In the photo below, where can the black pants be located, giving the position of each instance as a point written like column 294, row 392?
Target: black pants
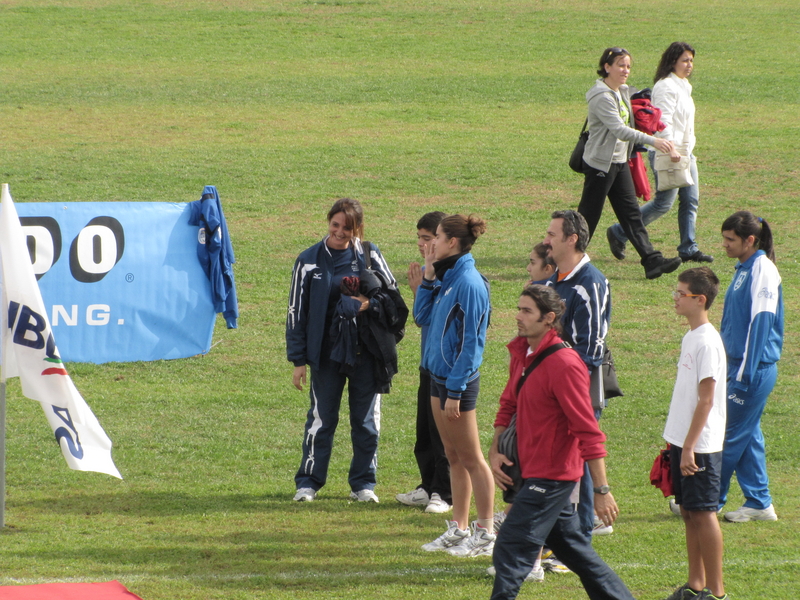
column 617, row 185
column 428, row 449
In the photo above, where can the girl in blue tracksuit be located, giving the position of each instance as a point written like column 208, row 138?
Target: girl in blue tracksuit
column 313, row 298
column 456, row 313
column 752, row 331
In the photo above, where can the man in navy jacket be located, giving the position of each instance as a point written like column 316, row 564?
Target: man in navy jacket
column 587, row 298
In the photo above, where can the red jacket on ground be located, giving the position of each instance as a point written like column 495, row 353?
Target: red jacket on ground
column 556, row 427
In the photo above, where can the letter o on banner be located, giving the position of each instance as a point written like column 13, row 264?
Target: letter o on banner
column 96, row 249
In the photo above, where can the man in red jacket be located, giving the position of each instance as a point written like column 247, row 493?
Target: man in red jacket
column 556, row 432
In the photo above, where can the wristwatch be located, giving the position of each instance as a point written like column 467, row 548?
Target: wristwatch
column 603, row 489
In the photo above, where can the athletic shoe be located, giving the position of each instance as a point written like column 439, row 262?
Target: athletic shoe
column 364, row 496
column 675, row 507
column 745, row 514
column 305, row 495
column 698, row 257
column 707, row 595
column 601, row 528
column 498, row 519
column 553, row 565
column 536, row 574
column 665, row 265
column 437, row 505
column 480, row 543
column 685, row 593
column 617, row 247
column 452, row 537
column 417, row 497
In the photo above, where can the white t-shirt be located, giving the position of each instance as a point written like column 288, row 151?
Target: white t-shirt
column 702, row 356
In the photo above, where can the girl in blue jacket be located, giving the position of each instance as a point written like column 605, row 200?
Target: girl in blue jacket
column 453, row 302
column 752, row 331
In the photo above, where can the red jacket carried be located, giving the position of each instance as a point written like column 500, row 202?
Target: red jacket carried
column 556, row 427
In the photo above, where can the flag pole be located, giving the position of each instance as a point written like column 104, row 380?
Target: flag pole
column 2, row 454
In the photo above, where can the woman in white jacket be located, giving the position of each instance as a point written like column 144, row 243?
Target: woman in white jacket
column 672, row 93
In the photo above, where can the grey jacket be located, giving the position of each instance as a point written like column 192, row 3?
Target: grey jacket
column 606, row 126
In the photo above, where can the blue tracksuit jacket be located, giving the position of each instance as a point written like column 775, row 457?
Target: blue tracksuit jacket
column 752, row 318
column 587, row 297
column 457, row 315
column 308, row 299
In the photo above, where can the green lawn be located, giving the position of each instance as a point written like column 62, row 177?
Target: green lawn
column 456, row 105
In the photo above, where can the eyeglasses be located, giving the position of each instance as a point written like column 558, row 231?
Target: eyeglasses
column 677, row 295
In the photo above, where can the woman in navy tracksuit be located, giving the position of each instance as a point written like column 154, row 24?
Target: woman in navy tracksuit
column 313, row 298
column 457, row 314
column 752, row 331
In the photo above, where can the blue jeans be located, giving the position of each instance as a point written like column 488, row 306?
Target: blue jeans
column 327, row 387
column 542, row 514
column 744, row 451
column 659, row 206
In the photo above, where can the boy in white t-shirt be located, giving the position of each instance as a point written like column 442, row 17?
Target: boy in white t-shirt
column 696, row 429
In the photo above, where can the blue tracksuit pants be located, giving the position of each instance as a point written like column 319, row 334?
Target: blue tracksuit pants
column 744, row 451
column 327, row 387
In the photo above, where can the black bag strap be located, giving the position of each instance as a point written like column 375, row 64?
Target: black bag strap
column 536, row 361
column 585, row 123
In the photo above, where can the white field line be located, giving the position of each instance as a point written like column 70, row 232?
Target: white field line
column 301, row 575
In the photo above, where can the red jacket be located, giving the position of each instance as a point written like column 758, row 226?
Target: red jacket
column 556, row 427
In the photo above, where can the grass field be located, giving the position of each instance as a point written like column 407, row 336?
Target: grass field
column 456, row 105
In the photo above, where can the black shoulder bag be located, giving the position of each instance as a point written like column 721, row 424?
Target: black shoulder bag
column 507, row 442
column 576, row 158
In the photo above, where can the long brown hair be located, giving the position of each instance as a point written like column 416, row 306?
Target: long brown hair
column 670, row 58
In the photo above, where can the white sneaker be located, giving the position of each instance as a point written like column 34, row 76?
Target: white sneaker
column 498, row 518
column 480, row 543
column 601, row 528
column 452, row 537
column 417, row 497
column 744, row 514
column 305, row 495
column 674, row 507
column 364, row 496
column 536, row 574
column 553, row 565
column 437, row 505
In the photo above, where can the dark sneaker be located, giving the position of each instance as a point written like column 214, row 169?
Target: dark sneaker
column 698, row 257
column 665, row 265
column 685, row 593
column 617, row 247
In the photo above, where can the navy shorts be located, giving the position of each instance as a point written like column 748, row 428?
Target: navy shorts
column 469, row 397
column 701, row 490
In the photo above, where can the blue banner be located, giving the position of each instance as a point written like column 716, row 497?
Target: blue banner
column 121, row 281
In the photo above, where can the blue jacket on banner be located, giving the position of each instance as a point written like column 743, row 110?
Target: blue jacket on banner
column 215, row 252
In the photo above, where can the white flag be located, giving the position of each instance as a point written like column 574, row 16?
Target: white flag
column 28, row 351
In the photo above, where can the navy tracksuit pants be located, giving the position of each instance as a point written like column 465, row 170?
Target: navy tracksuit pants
column 327, row 388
